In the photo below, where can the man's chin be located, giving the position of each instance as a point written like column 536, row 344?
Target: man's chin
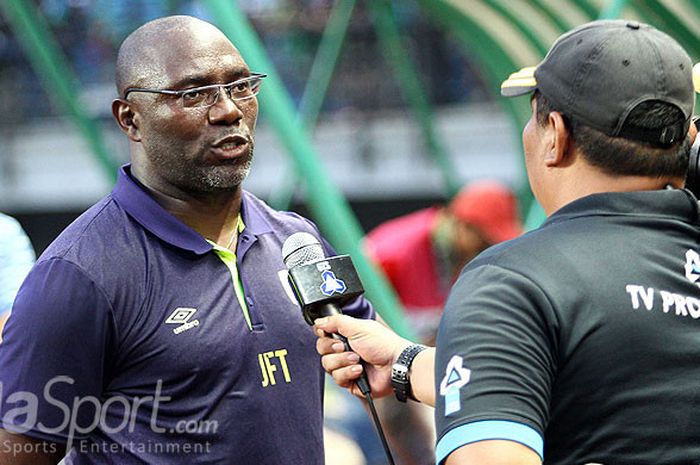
column 222, row 179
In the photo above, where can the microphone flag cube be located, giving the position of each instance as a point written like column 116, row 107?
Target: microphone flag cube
column 324, row 281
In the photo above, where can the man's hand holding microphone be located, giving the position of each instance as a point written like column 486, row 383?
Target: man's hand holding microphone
column 380, row 348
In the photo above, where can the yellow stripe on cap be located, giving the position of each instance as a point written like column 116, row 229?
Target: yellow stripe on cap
column 696, row 77
column 519, row 83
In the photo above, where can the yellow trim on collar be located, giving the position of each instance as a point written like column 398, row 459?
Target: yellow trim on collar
column 229, row 258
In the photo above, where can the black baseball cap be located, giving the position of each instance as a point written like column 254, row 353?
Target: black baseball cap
column 600, row 71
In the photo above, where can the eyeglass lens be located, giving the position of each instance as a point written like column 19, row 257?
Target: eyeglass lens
column 208, row 95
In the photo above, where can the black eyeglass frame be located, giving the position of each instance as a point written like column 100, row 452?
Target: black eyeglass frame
column 227, row 87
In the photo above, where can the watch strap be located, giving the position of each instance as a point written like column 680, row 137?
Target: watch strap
column 400, row 380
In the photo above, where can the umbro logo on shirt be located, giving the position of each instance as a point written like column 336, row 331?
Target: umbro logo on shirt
column 181, row 317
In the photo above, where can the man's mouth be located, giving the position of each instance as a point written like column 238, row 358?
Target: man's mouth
column 230, row 147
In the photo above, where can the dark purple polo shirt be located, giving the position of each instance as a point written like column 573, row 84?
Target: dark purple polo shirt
column 128, row 339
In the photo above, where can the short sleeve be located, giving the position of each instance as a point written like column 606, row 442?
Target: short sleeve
column 16, row 259
column 495, row 361
column 54, row 356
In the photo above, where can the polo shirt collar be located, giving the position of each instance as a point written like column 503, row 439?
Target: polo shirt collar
column 665, row 203
column 139, row 204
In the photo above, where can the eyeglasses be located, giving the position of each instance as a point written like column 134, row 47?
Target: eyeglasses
column 206, row 96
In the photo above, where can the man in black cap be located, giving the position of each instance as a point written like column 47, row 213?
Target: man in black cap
column 578, row 342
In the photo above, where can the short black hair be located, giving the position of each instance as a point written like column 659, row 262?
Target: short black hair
column 622, row 156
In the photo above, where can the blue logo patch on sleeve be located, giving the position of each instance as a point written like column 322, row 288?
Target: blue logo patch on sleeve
column 456, row 376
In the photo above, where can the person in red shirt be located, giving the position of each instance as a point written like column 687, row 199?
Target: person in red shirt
column 422, row 253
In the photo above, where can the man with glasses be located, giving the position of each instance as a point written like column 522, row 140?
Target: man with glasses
column 159, row 327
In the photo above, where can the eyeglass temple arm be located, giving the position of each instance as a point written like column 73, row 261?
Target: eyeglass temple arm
column 151, row 91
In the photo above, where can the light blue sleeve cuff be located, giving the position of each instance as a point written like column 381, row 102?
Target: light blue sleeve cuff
column 488, row 430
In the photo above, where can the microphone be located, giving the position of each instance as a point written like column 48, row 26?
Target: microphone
column 321, row 284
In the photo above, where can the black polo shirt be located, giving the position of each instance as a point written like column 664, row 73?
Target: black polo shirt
column 581, row 339
column 129, row 340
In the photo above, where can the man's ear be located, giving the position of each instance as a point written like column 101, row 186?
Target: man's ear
column 126, row 118
column 693, row 130
column 558, row 140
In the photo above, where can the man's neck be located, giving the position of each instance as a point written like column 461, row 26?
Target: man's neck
column 590, row 180
column 214, row 215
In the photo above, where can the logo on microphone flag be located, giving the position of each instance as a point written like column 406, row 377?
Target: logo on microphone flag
column 331, row 284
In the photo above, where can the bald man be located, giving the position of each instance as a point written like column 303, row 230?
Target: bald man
column 159, row 327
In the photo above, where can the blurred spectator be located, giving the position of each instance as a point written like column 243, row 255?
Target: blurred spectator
column 423, row 252
column 16, row 259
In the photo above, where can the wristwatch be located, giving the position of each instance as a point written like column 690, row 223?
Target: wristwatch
column 399, row 371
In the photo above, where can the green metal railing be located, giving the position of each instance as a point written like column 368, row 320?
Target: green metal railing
column 51, row 65
column 612, row 9
column 404, row 71
column 413, row 90
column 316, row 88
column 493, row 60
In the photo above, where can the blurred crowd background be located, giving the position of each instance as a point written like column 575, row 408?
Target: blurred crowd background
column 90, row 31
column 369, row 138
column 366, row 135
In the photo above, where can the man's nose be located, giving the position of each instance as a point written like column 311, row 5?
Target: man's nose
column 225, row 110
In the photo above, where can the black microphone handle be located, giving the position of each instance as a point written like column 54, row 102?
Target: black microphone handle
column 330, row 309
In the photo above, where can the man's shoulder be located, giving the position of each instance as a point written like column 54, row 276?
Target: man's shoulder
column 9, row 225
column 95, row 234
column 537, row 253
column 279, row 221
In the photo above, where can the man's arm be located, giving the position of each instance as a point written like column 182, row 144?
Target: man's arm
column 57, row 343
column 22, row 450
column 379, row 347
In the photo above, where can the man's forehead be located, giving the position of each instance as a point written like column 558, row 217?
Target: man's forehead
column 197, row 58
column 174, row 49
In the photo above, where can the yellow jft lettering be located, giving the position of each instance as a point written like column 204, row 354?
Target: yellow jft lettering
column 265, row 380
column 268, row 366
column 282, row 356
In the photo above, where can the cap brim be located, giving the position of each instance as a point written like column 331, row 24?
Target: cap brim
column 519, row 83
column 696, row 77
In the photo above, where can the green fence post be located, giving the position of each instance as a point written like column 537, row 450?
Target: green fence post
column 51, row 65
column 317, row 86
column 612, row 9
column 329, row 208
column 405, row 72
column 496, row 63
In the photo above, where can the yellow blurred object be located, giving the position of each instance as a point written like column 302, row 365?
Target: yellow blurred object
column 341, row 450
column 696, row 77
